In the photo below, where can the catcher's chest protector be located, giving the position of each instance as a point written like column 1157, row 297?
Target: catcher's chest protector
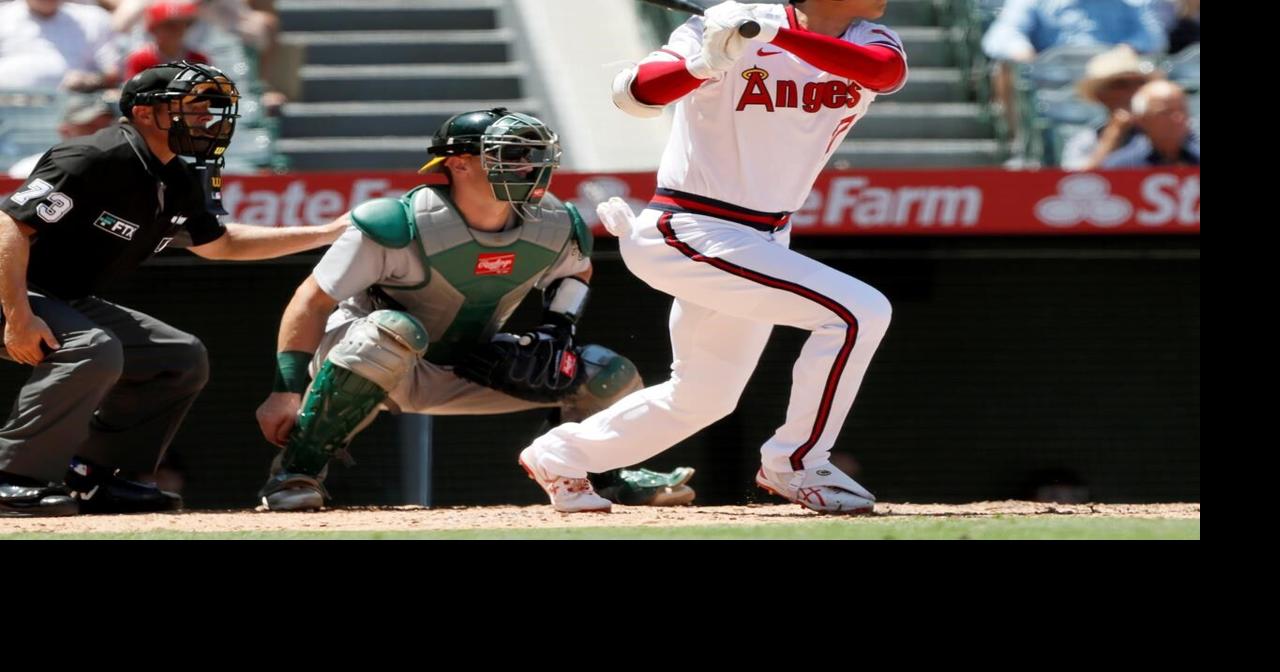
column 476, row 278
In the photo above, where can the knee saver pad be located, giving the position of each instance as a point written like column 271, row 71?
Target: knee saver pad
column 382, row 347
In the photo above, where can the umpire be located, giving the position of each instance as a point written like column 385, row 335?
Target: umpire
column 109, row 385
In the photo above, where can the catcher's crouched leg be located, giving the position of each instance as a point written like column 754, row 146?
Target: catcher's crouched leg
column 610, row 377
column 376, row 353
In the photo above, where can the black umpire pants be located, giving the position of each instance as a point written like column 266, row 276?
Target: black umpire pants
column 115, row 393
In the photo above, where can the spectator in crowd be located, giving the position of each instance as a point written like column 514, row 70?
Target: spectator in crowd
column 1166, row 11
column 1185, row 30
column 1111, row 78
column 257, row 27
column 84, row 115
column 167, row 22
column 1026, row 28
column 1165, row 138
column 254, row 22
column 49, row 44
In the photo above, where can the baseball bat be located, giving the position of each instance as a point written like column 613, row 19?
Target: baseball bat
column 747, row 29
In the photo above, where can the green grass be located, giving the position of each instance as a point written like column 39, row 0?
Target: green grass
column 905, row 527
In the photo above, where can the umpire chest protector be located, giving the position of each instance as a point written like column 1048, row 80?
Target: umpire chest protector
column 102, row 205
column 474, row 280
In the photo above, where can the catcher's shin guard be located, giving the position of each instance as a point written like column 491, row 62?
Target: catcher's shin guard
column 609, row 377
column 374, row 356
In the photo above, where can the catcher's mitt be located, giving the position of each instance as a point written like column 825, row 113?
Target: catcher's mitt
column 541, row 365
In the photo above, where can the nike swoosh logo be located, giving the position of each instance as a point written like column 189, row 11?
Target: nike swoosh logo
column 762, row 52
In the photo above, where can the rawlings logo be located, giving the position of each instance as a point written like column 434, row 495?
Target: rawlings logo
column 498, row 263
column 568, row 364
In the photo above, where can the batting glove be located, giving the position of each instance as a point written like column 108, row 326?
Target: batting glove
column 616, row 216
column 769, row 26
column 721, row 43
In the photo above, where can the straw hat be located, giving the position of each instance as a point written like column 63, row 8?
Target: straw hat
column 1122, row 61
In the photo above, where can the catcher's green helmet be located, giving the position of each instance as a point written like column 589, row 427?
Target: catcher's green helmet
column 518, row 152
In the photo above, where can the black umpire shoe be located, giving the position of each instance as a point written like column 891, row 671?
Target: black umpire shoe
column 103, row 490
column 22, row 497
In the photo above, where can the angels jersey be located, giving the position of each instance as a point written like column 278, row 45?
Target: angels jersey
column 758, row 136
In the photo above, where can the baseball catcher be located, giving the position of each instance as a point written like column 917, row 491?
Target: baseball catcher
column 406, row 313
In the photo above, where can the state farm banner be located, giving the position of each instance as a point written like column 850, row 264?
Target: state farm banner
column 960, row 202
column 844, row 202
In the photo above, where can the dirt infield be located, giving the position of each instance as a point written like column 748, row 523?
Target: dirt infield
column 515, row 517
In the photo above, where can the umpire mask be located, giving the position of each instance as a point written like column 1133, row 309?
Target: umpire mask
column 200, row 105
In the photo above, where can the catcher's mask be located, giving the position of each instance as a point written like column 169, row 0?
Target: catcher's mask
column 517, row 152
column 201, row 105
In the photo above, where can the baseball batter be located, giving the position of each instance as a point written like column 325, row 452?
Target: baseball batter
column 755, row 122
column 405, row 313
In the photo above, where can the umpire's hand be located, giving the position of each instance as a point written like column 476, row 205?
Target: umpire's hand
column 24, row 338
column 277, row 416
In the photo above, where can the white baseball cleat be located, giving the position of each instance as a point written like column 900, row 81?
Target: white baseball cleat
column 823, row 488
column 568, row 495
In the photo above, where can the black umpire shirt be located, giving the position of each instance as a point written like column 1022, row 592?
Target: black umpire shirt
column 103, row 204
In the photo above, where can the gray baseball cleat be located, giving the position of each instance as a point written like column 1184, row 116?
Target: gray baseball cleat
column 293, row 492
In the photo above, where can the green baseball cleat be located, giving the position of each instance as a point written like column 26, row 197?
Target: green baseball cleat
column 645, row 487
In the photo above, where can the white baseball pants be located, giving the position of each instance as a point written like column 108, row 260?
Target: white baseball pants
column 731, row 284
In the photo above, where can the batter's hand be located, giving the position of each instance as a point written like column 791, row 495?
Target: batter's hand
column 727, row 15
column 25, row 338
column 277, row 416
column 721, row 43
column 617, row 217
column 769, row 26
